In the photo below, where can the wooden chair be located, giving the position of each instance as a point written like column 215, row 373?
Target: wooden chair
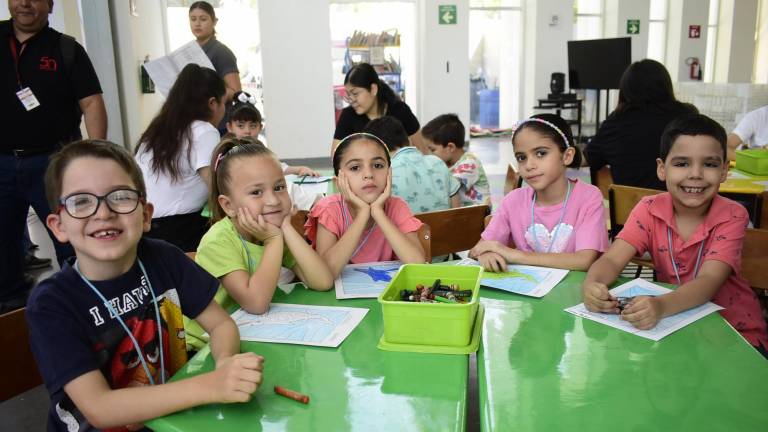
column 17, row 363
column 513, row 180
column 622, row 199
column 298, row 220
column 454, row 230
column 191, row 255
column 602, row 178
column 754, row 256
column 425, row 239
column 763, row 211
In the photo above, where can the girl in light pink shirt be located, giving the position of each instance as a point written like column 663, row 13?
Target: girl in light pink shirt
column 554, row 221
column 365, row 223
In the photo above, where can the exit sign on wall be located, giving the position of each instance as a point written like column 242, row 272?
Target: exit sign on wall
column 446, row 14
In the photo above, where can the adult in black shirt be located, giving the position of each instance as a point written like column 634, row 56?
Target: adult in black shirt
column 202, row 23
column 57, row 84
column 629, row 138
column 370, row 98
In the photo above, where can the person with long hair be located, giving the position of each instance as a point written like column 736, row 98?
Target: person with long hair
column 370, row 98
column 202, row 23
column 174, row 154
column 628, row 140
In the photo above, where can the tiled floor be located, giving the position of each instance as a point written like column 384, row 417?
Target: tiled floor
column 26, row 412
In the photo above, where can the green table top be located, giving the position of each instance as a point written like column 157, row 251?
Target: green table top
column 353, row 387
column 543, row 369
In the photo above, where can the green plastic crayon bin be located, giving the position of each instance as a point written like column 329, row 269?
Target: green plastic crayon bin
column 445, row 324
column 752, row 161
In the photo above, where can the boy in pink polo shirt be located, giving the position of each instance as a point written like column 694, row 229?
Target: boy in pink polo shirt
column 693, row 235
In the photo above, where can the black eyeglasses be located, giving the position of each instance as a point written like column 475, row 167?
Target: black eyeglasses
column 84, row 205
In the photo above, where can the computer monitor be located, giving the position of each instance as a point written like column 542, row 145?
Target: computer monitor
column 598, row 63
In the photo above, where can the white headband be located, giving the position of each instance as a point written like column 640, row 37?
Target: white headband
column 538, row 120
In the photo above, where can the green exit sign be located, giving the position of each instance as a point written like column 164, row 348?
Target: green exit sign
column 446, row 14
column 633, row 26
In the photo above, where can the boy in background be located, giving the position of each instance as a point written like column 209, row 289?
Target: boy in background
column 106, row 330
column 422, row 181
column 693, row 234
column 444, row 136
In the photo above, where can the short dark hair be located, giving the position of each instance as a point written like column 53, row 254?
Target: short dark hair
column 390, row 130
column 551, row 133
column 100, row 149
column 444, row 129
column 692, row 125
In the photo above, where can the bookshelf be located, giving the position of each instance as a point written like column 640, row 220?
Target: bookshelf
column 381, row 50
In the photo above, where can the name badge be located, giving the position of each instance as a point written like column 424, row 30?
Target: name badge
column 28, row 98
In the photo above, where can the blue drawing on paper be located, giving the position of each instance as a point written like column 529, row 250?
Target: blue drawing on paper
column 292, row 324
column 521, row 280
column 377, row 274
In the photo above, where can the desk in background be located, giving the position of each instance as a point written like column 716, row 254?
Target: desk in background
column 543, row 369
column 353, row 387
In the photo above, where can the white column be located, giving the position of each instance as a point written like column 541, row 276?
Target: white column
column 442, row 62
column 680, row 47
column 736, row 41
column 548, row 28
column 298, row 81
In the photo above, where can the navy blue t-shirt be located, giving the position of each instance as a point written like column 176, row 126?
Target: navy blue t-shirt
column 72, row 333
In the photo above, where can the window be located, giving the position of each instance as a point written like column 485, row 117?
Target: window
column 657, row 31
column 495, row 62
column 711, row 55
column 588, row 22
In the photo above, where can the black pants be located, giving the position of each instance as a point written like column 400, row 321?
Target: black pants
column 184, row 230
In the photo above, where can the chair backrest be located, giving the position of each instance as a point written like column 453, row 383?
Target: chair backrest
column 763, row 211
column 456, row 229
column 17, row 363
column 602, row 178
column 513, row 180
column 621, row 200
column 191, row 255
column 425, row 239
column 754, row 259
column 298, row 220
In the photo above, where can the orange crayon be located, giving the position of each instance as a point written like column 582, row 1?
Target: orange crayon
column 292, row 394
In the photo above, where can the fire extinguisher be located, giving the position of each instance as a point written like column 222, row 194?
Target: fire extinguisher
column 694, row 68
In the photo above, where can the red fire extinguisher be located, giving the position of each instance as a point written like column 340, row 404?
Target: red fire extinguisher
column 694, row 68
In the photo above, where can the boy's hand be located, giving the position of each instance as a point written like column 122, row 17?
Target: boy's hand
column 493, row 262
column 349, row 196
column 236, row 378
column 598, row 299
column 382, row 199
column 484, row 246
column 259, row 228
column 643, row 312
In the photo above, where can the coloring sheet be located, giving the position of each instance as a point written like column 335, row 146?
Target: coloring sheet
column 326, row 326
column 521, row 279
column 365, row 280
column 640, row 287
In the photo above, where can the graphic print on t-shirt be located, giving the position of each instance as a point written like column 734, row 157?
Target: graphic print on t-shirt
column 539, row 237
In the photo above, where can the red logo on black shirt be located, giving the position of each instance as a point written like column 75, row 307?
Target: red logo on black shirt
column 48, row 64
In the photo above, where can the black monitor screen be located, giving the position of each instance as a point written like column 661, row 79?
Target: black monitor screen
column 598, row 63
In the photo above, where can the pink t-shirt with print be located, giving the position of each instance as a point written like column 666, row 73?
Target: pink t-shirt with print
column 329, row 212
column 583, row 225
column 722, row 233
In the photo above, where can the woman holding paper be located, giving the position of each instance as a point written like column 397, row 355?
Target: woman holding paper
column 202, row 23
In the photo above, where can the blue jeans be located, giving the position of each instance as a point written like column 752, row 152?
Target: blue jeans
column 21, row 186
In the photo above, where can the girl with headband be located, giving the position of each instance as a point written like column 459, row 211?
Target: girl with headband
column 252, row 246
column 553, row 221
column 364, row 223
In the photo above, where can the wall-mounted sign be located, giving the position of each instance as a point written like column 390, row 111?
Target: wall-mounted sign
column 446, row 14
column 633, row 26
column 694, row 31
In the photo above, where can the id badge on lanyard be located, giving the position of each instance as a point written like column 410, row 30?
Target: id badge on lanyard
column 25, row 95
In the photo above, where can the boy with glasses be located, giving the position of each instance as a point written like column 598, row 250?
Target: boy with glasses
column 107, row 330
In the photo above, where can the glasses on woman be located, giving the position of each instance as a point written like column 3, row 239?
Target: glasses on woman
column 350, row 97
column 84, row 205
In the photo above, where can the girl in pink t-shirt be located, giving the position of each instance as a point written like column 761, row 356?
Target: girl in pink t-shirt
column 364, row 223
column 554, row 221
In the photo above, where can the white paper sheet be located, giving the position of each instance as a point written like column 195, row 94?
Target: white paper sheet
column 297, row 324
column 521, row 279
column 365, row 280
column 640, row 287
column 164, row 70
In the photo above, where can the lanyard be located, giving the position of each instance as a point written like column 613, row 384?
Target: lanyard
column 347, row 223
column 114, row 313
column 671, row 257
column 16, row 54
column 248, row 255
column 559, row 222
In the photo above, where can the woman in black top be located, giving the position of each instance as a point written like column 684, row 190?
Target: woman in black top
column 629, row 138
column 370, row 98
column 202, row 23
